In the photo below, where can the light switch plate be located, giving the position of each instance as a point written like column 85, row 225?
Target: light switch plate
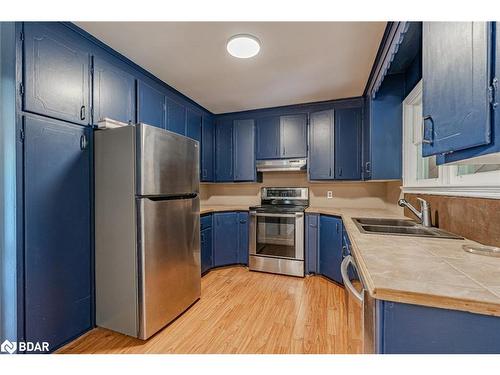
column 329, row 194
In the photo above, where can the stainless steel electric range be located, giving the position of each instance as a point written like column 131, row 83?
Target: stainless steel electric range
column 277, row 231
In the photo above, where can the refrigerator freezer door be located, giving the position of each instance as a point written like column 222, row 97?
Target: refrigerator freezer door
column 169, row 260
column 168, row 163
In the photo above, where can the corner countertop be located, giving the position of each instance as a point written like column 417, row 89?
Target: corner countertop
column 423, row 271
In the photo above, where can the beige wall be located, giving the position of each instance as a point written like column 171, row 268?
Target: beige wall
column 345, row 194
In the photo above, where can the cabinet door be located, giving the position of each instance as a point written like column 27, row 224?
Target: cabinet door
column 57, row 231
column 56, row 73
column 243, row 237
column 330, row 247
column 206, row 250
column 114, row 92
column 386, row 129
column 244, row 150
column 151, row 106
column 193, row 125
column 224, row 151
column 312, row 232
column 176, row 117
column 225, row 238
column 207, row 149
column 268, row 137
column 348, row 144
column 293, row 136
column 321, row 145
column 455, row 87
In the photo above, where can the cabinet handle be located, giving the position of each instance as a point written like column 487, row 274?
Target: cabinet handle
column 83, row 142
column 337, row 227
column 340, row 171
column 82, row 113
column 367, row 167
column 426, row 119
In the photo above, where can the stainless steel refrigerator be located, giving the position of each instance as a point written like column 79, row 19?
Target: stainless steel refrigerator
column 147, row 237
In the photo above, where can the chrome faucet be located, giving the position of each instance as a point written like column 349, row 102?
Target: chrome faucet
column 424, row 215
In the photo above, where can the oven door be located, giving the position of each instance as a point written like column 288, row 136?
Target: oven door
column 277, row 235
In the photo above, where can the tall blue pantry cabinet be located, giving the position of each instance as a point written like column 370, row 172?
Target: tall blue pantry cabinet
column 66, row 82
column 57, row 259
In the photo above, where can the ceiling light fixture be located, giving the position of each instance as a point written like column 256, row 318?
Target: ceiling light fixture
column 243, row 46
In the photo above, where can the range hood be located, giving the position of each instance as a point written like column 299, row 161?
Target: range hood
column 281, row 165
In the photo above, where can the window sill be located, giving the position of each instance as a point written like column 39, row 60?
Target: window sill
column 492, row 192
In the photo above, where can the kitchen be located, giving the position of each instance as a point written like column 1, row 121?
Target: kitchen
column 166, row 205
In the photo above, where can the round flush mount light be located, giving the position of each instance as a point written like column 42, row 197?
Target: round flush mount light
column 243, row 46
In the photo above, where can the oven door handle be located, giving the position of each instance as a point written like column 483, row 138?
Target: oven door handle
column 347, row 282
column 298, row 214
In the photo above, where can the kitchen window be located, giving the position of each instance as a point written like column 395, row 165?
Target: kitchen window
column 423, row 175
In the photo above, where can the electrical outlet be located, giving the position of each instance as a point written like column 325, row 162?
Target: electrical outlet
column 329, row 194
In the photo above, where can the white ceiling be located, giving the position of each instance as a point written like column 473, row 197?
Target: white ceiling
column 299, row 62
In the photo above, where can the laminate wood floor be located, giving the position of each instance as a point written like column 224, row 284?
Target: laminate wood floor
column 247, row 312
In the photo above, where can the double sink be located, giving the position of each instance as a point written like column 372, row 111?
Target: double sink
column 400, row 227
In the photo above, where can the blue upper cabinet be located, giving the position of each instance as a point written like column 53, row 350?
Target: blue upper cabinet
column 193, row 125
column 268, row 137
column 207, row 149
column 176, row 117
column 321, row 145
column 244, row 150
column 384, row 136
column 57, row 253
column 224, row 151
column 151, row 105
column 348, row 143
column 56, row 73
column 456, row 79
column 484, row 153
column 293, row 138
column 114, row 91
column 330, row 247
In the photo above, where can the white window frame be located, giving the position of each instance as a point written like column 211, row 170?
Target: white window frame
column 481, row 185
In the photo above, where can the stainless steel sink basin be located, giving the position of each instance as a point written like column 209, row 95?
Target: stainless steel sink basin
column 400, row 227
column 390, row 222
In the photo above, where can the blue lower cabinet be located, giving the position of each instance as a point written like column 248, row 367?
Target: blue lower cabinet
column 412, row 329
column 57, row 249
column 206, row 250
column 243, row 237
column 226, row 229
column 311, row 241
column 330, row 247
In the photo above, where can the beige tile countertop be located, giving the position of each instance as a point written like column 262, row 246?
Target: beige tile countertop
column 423, row 271
column 221, row 208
